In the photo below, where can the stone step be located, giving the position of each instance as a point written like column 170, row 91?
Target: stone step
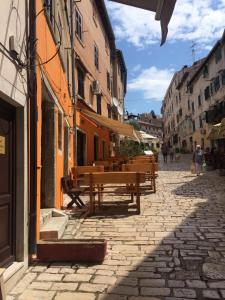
column 53, row 226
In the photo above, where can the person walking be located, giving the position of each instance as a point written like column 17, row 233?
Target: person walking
column 198, row 158
column 171, row 153
column 164, row 152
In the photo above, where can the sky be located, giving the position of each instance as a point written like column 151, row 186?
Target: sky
column 195, row 24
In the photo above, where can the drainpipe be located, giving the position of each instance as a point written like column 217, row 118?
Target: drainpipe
column 32, row 128
column 73, row 65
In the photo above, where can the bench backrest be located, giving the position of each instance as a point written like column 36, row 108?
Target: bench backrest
column 105, row 163
column 80, row 170
column 150, row 168
column 114, row 178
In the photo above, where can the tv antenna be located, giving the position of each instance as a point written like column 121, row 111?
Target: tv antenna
column 193, row 50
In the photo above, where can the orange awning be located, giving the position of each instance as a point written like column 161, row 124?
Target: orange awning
column 113, row 125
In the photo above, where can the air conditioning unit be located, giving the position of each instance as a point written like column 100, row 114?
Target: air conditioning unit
column 96, row 87
column 203, row 131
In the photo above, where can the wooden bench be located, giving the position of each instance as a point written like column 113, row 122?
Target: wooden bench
column 149, row 170
column 73, row 192
column 79, row 171
column 108, row 165
column 130, row 181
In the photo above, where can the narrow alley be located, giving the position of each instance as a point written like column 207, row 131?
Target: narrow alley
column 174, row 250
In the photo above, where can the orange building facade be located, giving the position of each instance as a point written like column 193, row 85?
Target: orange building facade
column 65, row 134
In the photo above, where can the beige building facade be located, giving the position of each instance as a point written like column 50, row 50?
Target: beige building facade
column 195, row 101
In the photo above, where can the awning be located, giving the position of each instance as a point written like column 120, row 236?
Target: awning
column 145, row 137
column 214, row 133
column 162, row 8
column 115, row 126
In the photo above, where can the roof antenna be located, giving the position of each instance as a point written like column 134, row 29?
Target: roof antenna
column 193, row 50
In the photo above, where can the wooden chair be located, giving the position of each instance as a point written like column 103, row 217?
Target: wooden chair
column 112, row 180
column 73, row 193
column 149, row 170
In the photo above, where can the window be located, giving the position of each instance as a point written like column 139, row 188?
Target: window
column 49, row 9
column 60, row 29
column 109, row 111
column 216, row 83
column 96, row 56
column 59, row 130
column 211, row 88
column 106, row 45
column 193, row 125
column 191, row 89
column 108, row 81
column 81, row 77
column 79, row 25
column 218, row 54
column 205, row 71
column 189, row 106
column 200, row 122
column 193, row 107
column 207, row 93
column 94, row 13
column 96, row 143
column 223, row 77
column 99, row 104
column 199, row 100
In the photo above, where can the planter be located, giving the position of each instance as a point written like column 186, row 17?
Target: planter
column 82, row 250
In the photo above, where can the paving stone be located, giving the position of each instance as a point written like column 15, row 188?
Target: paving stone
column 105, row 279
column 147, row 291
column 49, row 277
column 124, row 290
column 40, row 285
column 104, row 272
column 214, row 271
column 64, row 286
column 217, row 284
column 210, row 294
column 77, row 277
column 111, row 297
column 90, row 287
column 75, row 296
column 142, row 298
column 23, row 284
column 37, row 295
column 176, row 283
column 196, row 284
column 153, row 282
column 186, row 293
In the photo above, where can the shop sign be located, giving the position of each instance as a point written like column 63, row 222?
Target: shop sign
column 2, row 144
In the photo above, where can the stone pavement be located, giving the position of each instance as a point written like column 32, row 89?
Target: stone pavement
column 174, row 250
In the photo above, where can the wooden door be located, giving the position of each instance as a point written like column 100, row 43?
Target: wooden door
column 7, row 184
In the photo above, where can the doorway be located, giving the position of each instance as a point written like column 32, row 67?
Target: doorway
column 96, row 147
column 48, row 154
column 7, row 184
column 66, row 150
column 81, row 148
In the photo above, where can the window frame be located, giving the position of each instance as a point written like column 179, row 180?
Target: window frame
column 96, row 56
column 79, row 25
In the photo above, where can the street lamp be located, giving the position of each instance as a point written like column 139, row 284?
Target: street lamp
column 163, row 11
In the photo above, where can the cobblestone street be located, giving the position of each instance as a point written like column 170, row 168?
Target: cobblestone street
column 174, row 250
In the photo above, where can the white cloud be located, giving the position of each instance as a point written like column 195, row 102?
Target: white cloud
column 152, row 82
column 193, row 20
